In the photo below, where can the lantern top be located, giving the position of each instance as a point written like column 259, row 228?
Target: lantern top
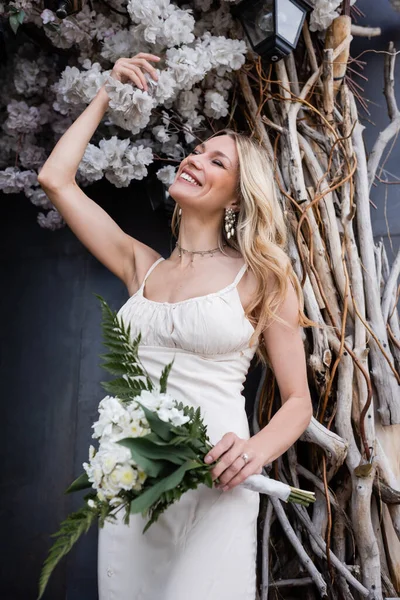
column 272, row 26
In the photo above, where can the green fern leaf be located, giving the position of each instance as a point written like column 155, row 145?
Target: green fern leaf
column 70, row 531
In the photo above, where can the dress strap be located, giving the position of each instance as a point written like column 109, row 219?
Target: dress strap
column 151, row 268
column 240, row 275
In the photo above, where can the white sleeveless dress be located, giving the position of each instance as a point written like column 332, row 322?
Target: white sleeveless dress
column 203, row 547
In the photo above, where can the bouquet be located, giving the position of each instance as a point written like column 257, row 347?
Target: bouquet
column 151, row 449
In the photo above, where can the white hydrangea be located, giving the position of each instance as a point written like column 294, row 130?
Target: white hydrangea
column 178, row 29
column 93, row 163
column 80, row 87
column 130, row 107
column 22, row 118
column 225, row 54
column 215, row 105
column 122, row 43
column 188, row 101
column 30, row 76
column 324, row 12
column 13, row 180
column 47, row 16
column 32, row 156
column 216, row 22
column 167, row 175
column 189, row 65
column 149, row 11
column 52, row 220
column 161, row 22
column 39, row 198
column 139, row 158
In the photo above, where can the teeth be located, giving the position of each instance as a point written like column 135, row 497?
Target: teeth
column 189, row 178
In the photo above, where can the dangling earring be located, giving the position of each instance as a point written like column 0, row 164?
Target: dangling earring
column 179, row 211
column 229, row 222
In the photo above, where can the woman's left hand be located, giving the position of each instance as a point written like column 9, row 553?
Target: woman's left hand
column 231, row 469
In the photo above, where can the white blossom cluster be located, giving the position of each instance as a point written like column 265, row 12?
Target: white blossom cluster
column 200, row 46
column 324, row 12
column 118, row 160
column 111, row 469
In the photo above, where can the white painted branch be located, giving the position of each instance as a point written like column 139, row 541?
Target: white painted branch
column 386, row 383
column 390, row 287
column 392, row 129
column 359, row 30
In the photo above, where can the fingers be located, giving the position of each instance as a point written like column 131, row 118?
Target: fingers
column 147, row 56
column 130, row 74
column 132, row 69
column 223, row 445
column 146, row 66
column 243, row 473
column 138, row 73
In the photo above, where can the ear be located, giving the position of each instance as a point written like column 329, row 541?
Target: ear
column 234, row 204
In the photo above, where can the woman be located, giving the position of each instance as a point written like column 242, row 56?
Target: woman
column 216, row 301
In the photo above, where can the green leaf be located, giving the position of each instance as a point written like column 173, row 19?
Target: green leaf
column 149, row 497
column 81, row 483
column 70, row 531
column 145, row 447
column 160, row 427
column 14, row 22
column 164, row 377
column 153, row 468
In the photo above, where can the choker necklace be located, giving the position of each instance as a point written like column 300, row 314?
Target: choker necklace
column 193, row 252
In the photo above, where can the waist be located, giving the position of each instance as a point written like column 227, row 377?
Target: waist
column 213, row 382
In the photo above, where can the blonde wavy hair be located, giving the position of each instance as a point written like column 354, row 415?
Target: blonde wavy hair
column 261, row 237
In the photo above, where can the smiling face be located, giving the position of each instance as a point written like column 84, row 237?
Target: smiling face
column 207, row 178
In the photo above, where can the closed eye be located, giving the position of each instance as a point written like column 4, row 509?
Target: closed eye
column 215, row 161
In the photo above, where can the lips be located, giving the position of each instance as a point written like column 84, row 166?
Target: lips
column 191, row 175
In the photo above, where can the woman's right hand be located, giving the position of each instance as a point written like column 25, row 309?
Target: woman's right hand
column 131, row 69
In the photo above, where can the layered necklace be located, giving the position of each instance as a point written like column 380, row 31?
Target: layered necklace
column 193, row 252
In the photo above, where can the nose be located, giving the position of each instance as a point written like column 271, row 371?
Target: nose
column 195, row 160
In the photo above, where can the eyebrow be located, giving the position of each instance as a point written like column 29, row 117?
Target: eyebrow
column 218, row 152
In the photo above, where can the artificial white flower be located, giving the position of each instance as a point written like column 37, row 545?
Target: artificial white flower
column 130, row 107
column 215, row 105
column 47, row 16
column 52, row 220
column 21, row 117
column 93, row 163
column 166, row 175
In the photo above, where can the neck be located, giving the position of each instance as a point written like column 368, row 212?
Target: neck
column 196, row 233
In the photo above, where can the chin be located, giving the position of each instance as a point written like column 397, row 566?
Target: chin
column 181, row 192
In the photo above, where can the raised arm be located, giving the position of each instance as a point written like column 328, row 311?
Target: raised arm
column 118, row 251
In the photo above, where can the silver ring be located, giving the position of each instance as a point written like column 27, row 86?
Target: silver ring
column 245, row 458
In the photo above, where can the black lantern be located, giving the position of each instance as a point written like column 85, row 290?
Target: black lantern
column 272, row 26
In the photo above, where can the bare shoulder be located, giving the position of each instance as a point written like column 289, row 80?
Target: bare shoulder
column 248, row 286
column 143, row 256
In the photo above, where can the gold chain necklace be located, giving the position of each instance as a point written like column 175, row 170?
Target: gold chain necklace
column 193, row 252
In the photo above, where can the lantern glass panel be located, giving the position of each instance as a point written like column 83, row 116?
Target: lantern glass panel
column 289, row 20
column 258, row 20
